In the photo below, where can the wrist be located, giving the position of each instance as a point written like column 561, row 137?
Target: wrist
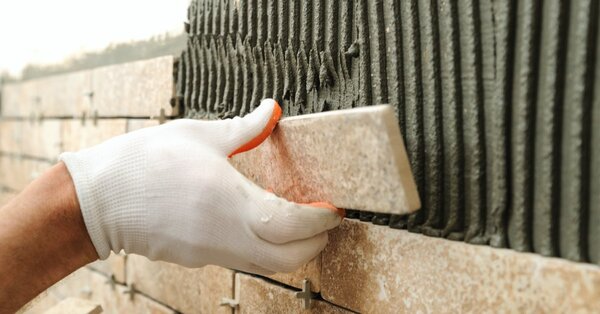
column 76, row 236
column 108, row 183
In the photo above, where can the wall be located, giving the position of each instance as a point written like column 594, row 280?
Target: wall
column 365, row 268
column 497, row 101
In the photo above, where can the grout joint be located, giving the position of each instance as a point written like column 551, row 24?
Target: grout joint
column 111, row 281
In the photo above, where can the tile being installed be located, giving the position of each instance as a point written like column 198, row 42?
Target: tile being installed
column 374, row 269
column 352, row 158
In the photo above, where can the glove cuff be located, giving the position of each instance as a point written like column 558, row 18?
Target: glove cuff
column 109, row 186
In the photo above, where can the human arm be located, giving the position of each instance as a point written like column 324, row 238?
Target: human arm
column 169, row 193
column 42, row 238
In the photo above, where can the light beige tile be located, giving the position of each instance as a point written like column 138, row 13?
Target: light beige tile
column 75, row 305
column 77, row 285
column 255, row 295
column 34, row 138
column 310, row 271
column 136, row 124
column 139, row 88
column 39, row 304
column 16, row 173
column 351, row 158
column 76, row 136
column 117, row 300
column 113, row 265
column 59, row 95
column 91, row 285
column 186, row 290
column 375, row 269
column 135, row 89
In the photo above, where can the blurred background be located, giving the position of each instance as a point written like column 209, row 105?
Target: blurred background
column 39, row 38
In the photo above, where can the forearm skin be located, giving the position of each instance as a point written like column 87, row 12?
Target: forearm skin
column 42, row 238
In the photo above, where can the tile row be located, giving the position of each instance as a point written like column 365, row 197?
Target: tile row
column 135, row 89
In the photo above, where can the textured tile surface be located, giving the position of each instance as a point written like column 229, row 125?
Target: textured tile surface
column 76, row 136
column 52, row 96
column 91, row 285
column 351, row 158
column 114, row 265
column 75, row 305
column 139, row 88
column 255, row 295
column 31, row 137
column 136, row 124
column 310, row 271
column 16, row 173
column 374, row 269
column 186, row 290
column 39, row 304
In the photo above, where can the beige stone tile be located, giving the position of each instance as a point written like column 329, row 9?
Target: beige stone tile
column 113, row 265
column 351, row 158
column 186, row 290
column 139, row 88
column 64, row 95
column 136, row 124
column 310, row 271
column 12, row 104
column 16, row 173
column 91, row 285
column 35, row 138
column 53, row 96
column 39, row 304
column 255, row 295
column 76, row 136
column 12, row 136
column 75, row 305
column 374, row 269
column 116, row 300
column 119, row 302
column 77, row 285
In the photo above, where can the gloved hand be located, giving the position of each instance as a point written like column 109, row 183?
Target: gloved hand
column 169, row 193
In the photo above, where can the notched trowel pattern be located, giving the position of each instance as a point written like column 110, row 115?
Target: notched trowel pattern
column 498, row 101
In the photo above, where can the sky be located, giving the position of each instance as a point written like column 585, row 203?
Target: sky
column 50, row 31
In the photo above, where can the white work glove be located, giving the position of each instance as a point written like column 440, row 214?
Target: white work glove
column 169, row 193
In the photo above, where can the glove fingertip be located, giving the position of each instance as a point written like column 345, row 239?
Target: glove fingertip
column 266, row 131
column 339, row 211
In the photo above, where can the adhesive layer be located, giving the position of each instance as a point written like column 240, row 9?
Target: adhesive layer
column 498, row 101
